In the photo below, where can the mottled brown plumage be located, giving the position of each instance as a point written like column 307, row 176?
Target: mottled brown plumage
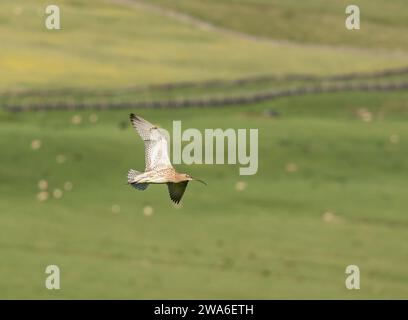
column 159, row 169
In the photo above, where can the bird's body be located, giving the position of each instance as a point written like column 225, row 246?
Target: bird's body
column 157, row 176
column 159, row 169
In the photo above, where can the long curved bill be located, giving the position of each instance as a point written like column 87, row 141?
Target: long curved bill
column 199, row 180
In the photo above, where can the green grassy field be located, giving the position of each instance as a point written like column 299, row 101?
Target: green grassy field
column 384, row 23
column 271, row 240
column 103, row 44
column 331, row 184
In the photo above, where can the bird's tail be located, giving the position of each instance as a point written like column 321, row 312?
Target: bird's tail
column 133, row 180
column 132, row 175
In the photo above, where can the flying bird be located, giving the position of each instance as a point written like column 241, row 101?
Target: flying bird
column 159, row 169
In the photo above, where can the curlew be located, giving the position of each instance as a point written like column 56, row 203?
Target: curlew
column 159, row 169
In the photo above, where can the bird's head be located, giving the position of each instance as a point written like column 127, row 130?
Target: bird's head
column 187, row 177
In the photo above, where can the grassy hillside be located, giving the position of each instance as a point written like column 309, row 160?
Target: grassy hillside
column 330, row 192
column 384, row 24
column 108, row 44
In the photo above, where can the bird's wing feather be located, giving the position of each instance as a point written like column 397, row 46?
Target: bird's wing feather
column 156, row 145
column 176, row 190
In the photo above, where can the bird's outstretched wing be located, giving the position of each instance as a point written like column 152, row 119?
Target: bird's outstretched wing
column 176, row 190
column 156, row 145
